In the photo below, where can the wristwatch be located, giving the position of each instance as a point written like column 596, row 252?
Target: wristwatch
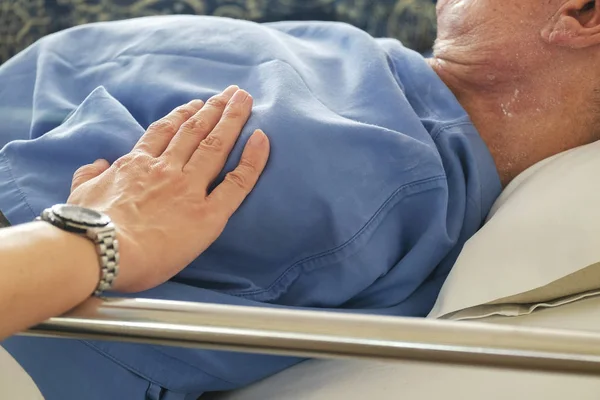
column 95, row 226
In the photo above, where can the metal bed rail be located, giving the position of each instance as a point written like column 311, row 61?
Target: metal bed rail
column 327, row 335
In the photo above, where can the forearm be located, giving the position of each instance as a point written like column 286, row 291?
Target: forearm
column 44, row 272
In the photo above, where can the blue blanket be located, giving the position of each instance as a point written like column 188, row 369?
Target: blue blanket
column 376, row 178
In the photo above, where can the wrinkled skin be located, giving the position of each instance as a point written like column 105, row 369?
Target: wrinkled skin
column 525, row 71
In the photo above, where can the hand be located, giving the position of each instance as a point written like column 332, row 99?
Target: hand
column 157, row 194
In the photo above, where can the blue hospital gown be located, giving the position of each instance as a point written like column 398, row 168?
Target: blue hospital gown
column 376, row 179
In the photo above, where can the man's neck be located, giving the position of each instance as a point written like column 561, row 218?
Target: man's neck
column 514, row 116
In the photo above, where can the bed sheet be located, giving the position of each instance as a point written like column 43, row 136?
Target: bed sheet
column 14, row 382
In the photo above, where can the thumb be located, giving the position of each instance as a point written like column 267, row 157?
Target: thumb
column 88, row 172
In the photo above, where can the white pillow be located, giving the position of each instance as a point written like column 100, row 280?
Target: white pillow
column 540, row 246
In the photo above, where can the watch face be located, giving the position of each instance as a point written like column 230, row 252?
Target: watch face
column 80, row 215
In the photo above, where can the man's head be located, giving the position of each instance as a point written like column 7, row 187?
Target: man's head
column 527, row 71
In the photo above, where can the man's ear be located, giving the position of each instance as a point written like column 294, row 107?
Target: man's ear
column 575, row 25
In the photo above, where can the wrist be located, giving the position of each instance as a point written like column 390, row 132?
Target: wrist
column 79, row 258
column 100, row 232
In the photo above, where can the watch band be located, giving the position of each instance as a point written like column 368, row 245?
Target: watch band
column 107, row 247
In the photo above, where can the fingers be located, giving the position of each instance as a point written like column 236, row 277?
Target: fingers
column 160, row 133
column 88, row 172
column 212, row 152
column 229, row 195
column 196, row 128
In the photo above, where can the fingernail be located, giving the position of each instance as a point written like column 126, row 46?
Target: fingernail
column 257, row 138
column 239, row 97
column 100, row 162
column 231, row 90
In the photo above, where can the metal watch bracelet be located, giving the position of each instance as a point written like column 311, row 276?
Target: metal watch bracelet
column 107, row 247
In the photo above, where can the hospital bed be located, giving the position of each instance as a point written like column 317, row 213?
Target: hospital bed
column 367, row 356
column 518, row 316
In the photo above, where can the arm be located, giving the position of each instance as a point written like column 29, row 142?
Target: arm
column 157, row 197
column 45, row 272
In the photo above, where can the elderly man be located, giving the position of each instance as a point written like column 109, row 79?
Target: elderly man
column 382, row 165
